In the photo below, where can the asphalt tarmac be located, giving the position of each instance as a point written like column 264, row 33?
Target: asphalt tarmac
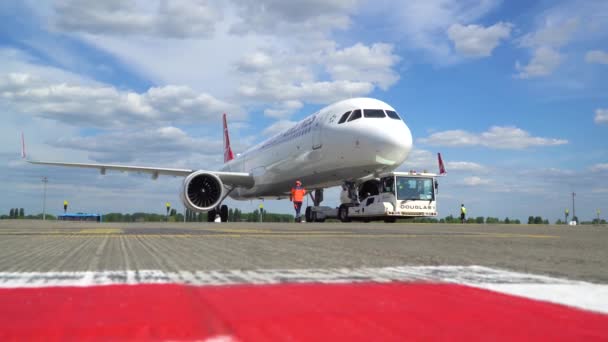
column 568, row 252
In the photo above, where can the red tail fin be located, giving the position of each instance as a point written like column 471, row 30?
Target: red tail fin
column 441, row 166
column 228, row 155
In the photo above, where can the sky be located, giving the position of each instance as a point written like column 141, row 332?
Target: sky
column 512, row 93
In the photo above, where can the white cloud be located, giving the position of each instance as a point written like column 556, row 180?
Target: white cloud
column 424, row 24
column 601, row 116
column 278, row 127
column 596, row 56
column 475, row 181
column 599, row 167
column 284, row 109
column 171, row 19
column 302, row 17
column 15, row 61
column 559, row 30
column 267, row 69
column 321, row 92
column 556, row 31
column 464, row 166
column 364, row 63
column 296, row 75
column 543, row 63
column 160, row 145
column 420, row 159
column 255, row 62
column 478, row 41
column 496, row 137
column 105, row 106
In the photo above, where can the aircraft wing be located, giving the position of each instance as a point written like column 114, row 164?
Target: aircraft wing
column 228, row 178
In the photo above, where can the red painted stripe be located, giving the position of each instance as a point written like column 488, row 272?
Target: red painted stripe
column 353, row 312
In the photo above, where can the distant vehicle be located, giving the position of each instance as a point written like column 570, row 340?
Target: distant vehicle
column 349, row 143
column 80, row 217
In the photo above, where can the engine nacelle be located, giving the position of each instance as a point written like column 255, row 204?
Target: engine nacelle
column 202, row 191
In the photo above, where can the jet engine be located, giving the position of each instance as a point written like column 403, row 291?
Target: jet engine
column 202, row 191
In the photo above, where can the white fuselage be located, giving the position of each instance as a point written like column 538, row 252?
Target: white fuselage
column 323, row 153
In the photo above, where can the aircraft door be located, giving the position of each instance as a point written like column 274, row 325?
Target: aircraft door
column 317, row 141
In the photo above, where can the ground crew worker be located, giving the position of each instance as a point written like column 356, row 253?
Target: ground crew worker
column 297, row 195
column 463, row 213
column 65, row 206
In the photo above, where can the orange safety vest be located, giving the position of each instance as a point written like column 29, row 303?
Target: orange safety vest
column 297, row 195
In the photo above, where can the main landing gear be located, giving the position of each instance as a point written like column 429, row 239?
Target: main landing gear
column 223, row 212
column 314, row 213
column 318, row 213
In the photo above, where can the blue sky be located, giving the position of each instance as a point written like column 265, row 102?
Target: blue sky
column 512, row 93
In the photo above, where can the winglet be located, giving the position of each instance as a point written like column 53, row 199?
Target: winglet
column 23, row 153
column 228, row 155
column 442, row 171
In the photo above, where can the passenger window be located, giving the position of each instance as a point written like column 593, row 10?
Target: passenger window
column 393, row 115
column 343, row 118
column 369, row 201
column 355, row 115
column 373, row 113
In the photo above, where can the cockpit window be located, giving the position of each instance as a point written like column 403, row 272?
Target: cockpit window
column 393, row 115
column 343, row 118
column 355, row 115
column 373, row 113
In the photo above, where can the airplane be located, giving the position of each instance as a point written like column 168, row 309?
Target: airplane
column 347, row 143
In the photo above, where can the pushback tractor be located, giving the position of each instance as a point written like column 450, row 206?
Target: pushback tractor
column 388, row 197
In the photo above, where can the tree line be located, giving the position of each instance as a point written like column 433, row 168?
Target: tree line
column 234, row 215
column 237, row 215
column 495, row 220
column 473, row 220
column 19, row 213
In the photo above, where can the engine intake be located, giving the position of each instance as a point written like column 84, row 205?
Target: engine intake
column 202, row 191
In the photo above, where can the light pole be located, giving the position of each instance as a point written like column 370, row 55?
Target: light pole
column 45, row 180
column 261, row 212
column 574, row 218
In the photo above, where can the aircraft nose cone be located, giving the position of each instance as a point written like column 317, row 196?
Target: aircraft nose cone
column 394, row 143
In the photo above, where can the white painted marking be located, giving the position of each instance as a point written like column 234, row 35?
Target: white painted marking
column 578, row 294
column 586, row 296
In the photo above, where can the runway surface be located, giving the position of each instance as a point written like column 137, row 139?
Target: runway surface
column 301, row 282
column 577, row 253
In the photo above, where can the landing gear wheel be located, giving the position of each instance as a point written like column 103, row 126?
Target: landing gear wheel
column 211, row 215
column 343, row 213
column 308, row 215
column 224, row 213
column 390, row 220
